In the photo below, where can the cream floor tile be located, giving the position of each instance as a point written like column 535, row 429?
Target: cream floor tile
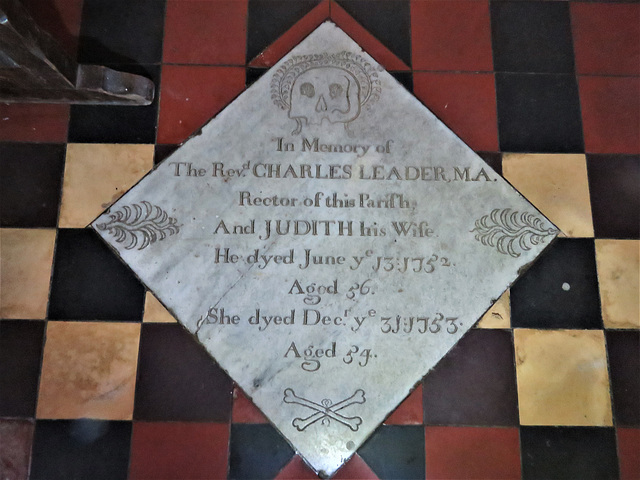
column 155, row 312
column 557, row 185
column 499, row 315
column 96, row 175
column 618, row 263
column 26, row 257
column 562, row 377
column 89, row 370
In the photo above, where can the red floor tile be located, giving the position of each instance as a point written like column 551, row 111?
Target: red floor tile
column 355, row 469
column 244, row 411
column 292, row 37
column 610, row 114
column 16, row 437
column 472, row 453
column 409, row 412
column 466, row 103
column 191, row 95
column 629, row 453
column 606, row 38
column 205, row 32
column 449, row 35
column 59, row 18
column 296, row 469
column 31, row 122
column 177, row 451
column 368, row 42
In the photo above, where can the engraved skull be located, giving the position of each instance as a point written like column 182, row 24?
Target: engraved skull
column 321, row 93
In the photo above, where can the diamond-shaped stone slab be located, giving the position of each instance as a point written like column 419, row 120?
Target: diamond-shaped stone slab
column 328, row 240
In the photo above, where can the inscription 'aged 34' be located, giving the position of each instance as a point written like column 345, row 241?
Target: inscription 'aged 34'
column 325, row 236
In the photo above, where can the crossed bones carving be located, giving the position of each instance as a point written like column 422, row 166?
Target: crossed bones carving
column 325, row 410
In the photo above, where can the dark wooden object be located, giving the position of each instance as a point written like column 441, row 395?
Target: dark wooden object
column 34, row 68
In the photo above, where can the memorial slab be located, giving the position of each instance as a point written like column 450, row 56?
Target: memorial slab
column 328, row 240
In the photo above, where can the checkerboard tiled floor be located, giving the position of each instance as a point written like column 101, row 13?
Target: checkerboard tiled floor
column 97, row 381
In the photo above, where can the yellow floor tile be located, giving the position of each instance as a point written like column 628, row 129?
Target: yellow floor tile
column 89, row 370
column 562, row 377
column 557, row 185
column 96, row 175
column 155, row 312
column 26, row 256
column 499, row 315
column 618, row 264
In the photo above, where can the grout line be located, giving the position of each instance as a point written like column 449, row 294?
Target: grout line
column 577, row 79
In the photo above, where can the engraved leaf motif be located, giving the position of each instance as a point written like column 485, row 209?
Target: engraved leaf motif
column 510, row 231
column 140, row 225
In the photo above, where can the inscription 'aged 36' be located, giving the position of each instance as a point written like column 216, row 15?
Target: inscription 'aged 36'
column 326, row 236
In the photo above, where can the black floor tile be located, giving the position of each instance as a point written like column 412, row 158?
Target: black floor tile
column 30, row 184
column 121, row 31
column 163, row 151
column 269, row 19
column 531, row 37
column 583, row 453
column 80, row 450
column 396, row 451
column 387, row 20
column 474, row 384
column 178, row 380
column 560, row 290
column 253, row 74
column 494, row 159
column 615, row 195
column 90, row 282
column 539, row 113
column 118, row 124
column 256, row 452
column 405, row 78
column 623, row 348
column 20, row 356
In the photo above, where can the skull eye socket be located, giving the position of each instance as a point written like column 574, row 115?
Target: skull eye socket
column 335, row 90
column 307, row 90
